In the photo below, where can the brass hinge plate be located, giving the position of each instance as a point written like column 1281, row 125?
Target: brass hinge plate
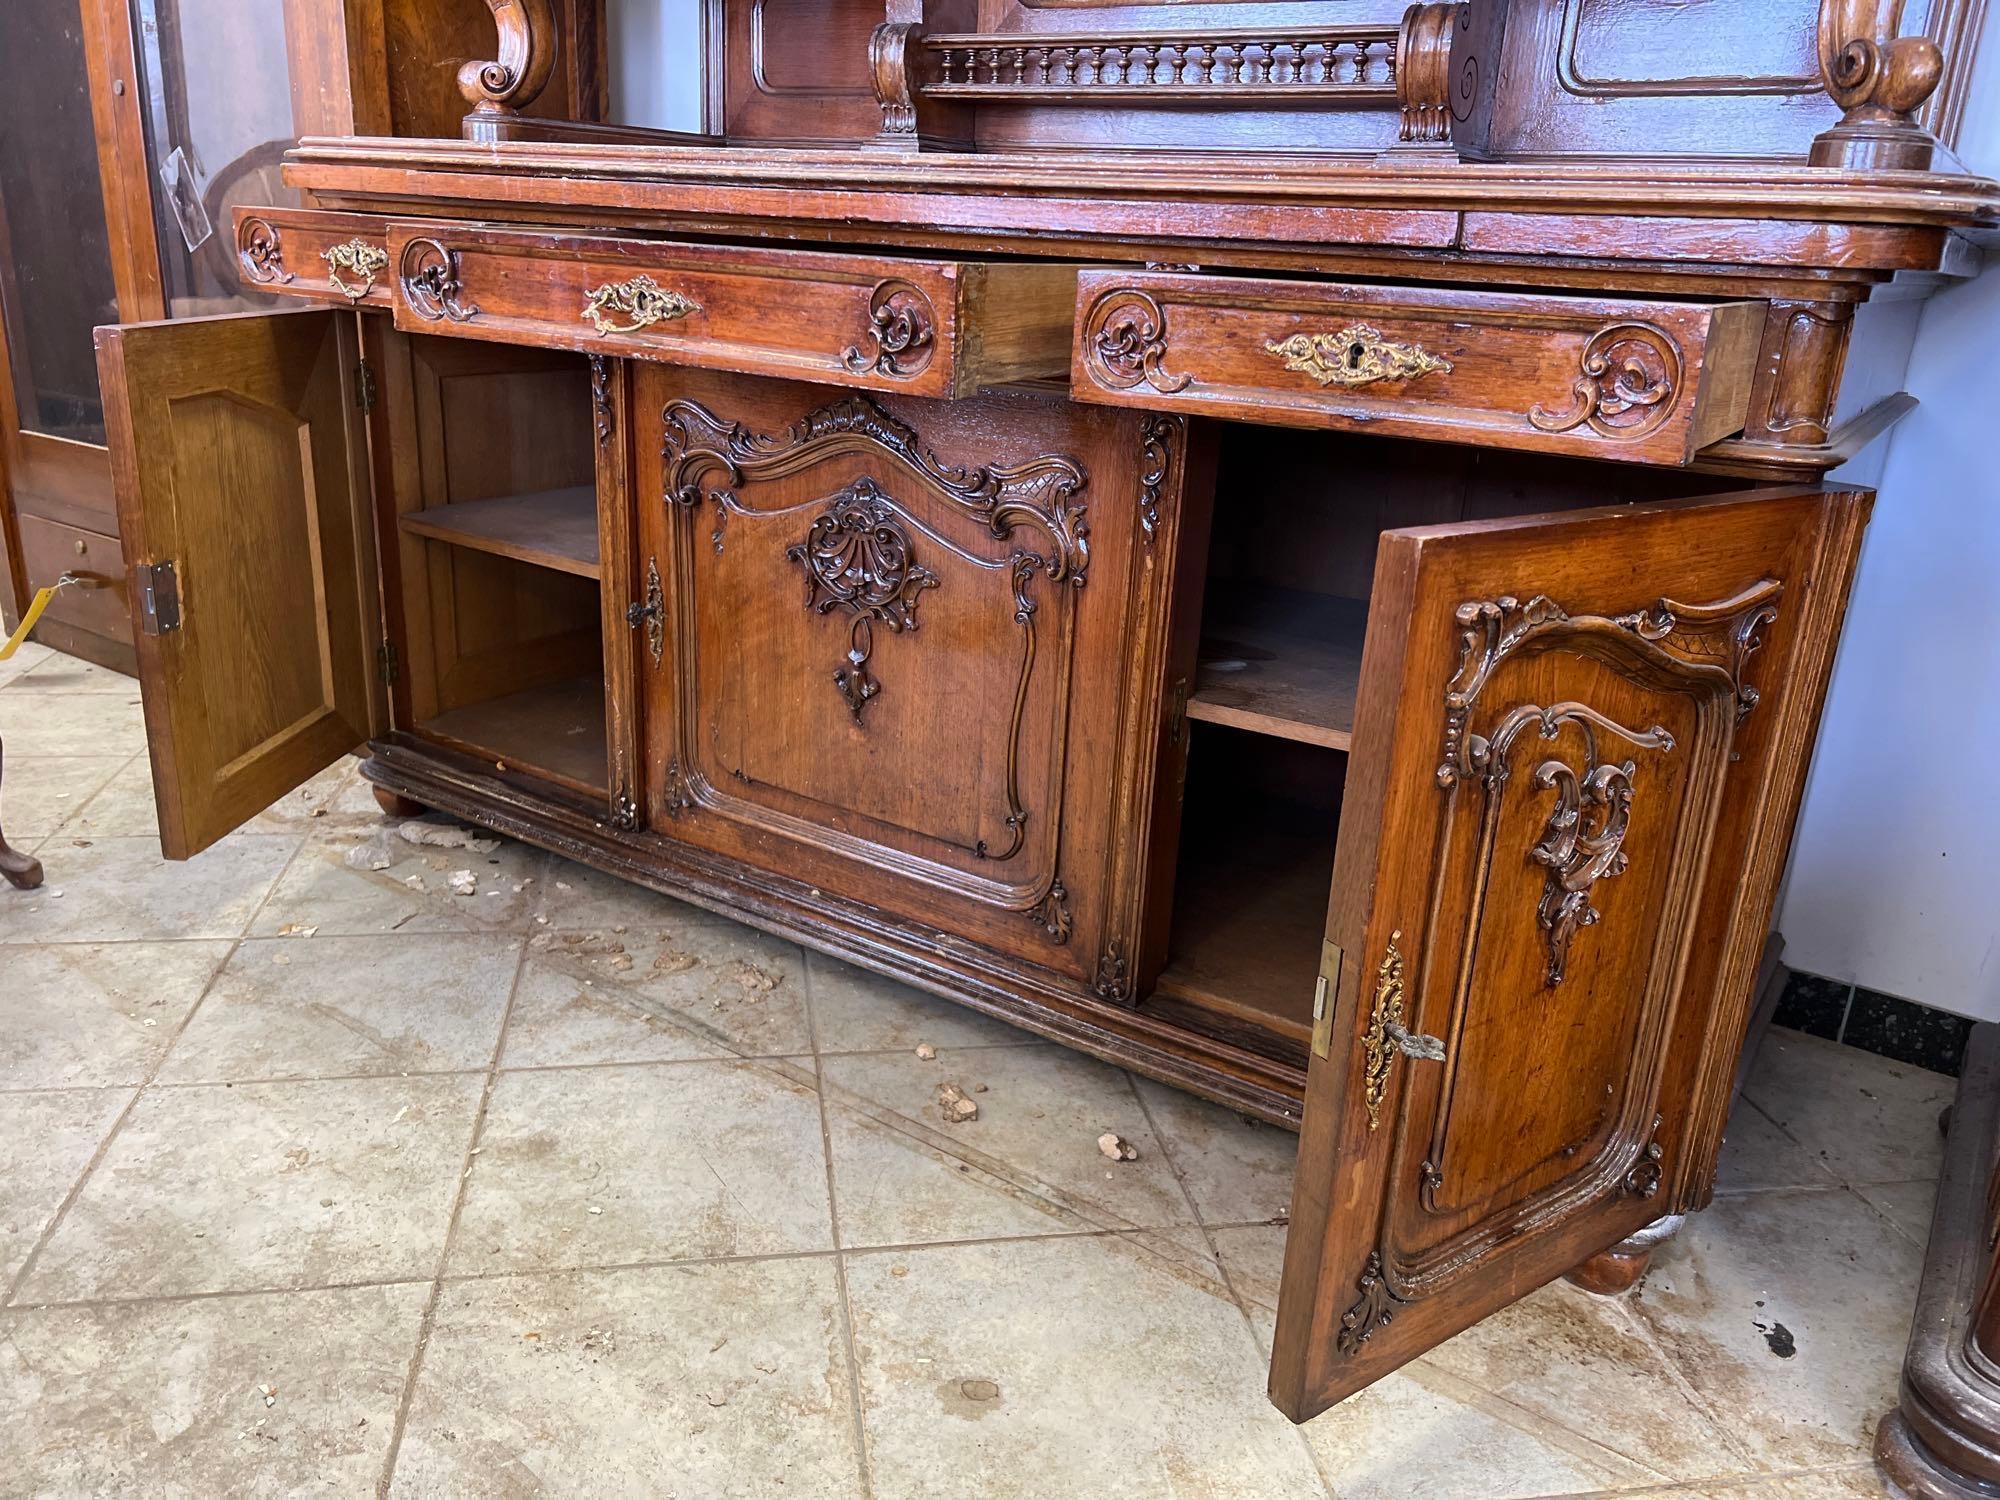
column 364, row 386
column 159, row 598
column 1326, row 996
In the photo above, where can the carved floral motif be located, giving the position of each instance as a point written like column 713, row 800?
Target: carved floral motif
column 1157, row 435
column 600, row 399
column 261, row 250
column 1375, row 1308
column 1052, row 914
column 857, row 558
column 1125, row 339
column 431, row 286
column 1577, row 852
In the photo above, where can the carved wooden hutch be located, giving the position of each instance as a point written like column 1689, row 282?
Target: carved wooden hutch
column 1277, row 544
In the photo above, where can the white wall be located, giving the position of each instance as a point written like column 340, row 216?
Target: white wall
column 656, row 63
column 1895, row 875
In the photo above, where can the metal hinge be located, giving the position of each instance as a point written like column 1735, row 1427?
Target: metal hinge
column 387, row 667
column 159, row 598
column 1326, row 992
column 364, row 386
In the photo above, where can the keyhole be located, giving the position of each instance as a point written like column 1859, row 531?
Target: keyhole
column 1355, row 354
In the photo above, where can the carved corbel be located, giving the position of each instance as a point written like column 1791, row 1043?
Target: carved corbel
column 526, row 62
column 1880, row 80
column 1423, row 79
column 900, row 66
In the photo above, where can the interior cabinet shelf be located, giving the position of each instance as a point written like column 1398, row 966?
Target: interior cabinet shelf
column 555, row 728
column 552, row 528
column 1283, row 663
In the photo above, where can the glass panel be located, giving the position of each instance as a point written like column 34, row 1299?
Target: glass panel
column 218, row 102
column 55, row 253
column 656, row 59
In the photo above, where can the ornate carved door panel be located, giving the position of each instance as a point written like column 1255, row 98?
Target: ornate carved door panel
column 911, row 650
column 1579, row 748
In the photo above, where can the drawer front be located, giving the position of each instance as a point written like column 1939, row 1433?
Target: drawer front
column 342, row 259
column 923, row 327
column 1648, row 382
column 50, row 549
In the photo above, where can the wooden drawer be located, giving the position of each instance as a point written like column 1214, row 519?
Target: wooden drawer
column 924, row 327
column 50, row 549
column 1649, row 382
column 320, row 256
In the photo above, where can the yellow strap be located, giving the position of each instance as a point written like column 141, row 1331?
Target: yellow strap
column 41, row 602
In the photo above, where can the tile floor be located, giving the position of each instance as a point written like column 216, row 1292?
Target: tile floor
column 319, row 1176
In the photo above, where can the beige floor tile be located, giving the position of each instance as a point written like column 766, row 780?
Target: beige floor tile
column 121, row 890
column 612, row 1166
column 125, row 808
column 1840, row 1281
column 1907, row 1205
column 1867, row 1118
column 39, row 793
column 334, row 886
column 1757, row 1155
column 336, row 798
column 262, row 1186
column 579, row 898
column 57, row 673
column 856, row 1011
column 1029, row 1164
column 725, row 1382
column 1078, row 1366
column 1254, row 1256
column 27, row 656
column 1237, row 1171
column 703, row 989
column 1857, row 1482
column 1586, row 1365
column 39, row 723
column 88, row 1015
column 1419, row 1432
column 307, row 1007
column 167, row 1399
column 50, row 1140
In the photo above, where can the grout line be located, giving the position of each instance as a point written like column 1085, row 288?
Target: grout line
column 428, row 1319
column 1846, row 1010
column 1221, row 1267
column 20, row 1278
column 862, row 1460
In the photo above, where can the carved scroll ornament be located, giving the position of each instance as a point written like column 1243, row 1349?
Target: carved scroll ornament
column 261, row 251
column 527, row 60
column 857, row 558
column 1880, row 80
column 899, row 334
column 1628, row 381
column 431, row 286
column 1356, row 355
column 1125, row 343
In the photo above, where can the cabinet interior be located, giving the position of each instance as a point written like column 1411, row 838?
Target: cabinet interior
column 497, row 534
column 1283, row 594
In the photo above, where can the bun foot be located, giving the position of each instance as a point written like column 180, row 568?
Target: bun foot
column 1619, row 1268
column 396, row 805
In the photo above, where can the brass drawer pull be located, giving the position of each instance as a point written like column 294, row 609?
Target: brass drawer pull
column 1356, row 355
column 358, row 258
column 642, row 301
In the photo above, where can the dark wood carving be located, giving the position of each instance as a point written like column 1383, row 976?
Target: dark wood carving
column 1125, row 340
column 1424, row 77
column 1052, row 913
column 901, row 332
column 1577, row 852
column 1630, row 379
column 1373, row 1309
column 624, row 811
column 429, row 275
column 604, row 416
column 261, row 249
column 21, row 871
column 1157, row 436
column 857, row 558
column 1880, row 80
column 1114, row 975
column 527, row 59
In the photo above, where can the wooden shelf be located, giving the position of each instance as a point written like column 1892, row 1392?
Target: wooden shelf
column 551, row 528
column 1280, row 662
column 556, row 730
column 1249, row 915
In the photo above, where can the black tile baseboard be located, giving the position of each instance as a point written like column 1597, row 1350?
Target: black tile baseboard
column 1919, row 1035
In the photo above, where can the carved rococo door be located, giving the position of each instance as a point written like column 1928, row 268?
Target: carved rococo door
column 1578, row 753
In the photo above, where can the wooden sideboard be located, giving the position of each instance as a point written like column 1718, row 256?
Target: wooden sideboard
column 1282, row 553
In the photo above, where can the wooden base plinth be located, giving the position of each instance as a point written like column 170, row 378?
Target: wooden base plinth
column 1619, row 1268
column 21, row 872
column 1942, row 1442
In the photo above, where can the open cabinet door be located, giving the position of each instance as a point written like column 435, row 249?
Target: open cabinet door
column 239, row 460
column 1578, row 752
